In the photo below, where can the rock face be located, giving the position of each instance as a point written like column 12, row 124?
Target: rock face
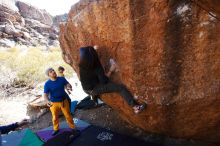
column 8, row 12
column 59, row 19
column 210, row 6
column 28, row 11
column 10, row 4
column 23, row 24
column 168, row 53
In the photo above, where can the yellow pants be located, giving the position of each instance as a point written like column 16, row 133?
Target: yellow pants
column 64, row 107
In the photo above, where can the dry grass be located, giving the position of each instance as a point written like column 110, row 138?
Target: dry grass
column 27, row 66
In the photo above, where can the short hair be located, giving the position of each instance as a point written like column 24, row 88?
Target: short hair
column 61, row 68
column 48, row 70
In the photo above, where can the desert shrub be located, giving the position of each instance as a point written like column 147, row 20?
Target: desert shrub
column 28, row 65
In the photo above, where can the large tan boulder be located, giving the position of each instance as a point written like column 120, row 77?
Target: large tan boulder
column 168, row 52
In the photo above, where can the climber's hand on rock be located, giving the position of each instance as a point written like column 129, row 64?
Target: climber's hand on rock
column 113, row 66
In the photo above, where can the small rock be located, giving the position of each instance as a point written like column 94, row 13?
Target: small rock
column 53, row 36
column 26, row 35
column 6, row 43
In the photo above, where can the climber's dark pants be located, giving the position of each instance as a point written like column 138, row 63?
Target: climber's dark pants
column 110, row 88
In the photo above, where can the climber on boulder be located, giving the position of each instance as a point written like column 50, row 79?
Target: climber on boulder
column 96, row 82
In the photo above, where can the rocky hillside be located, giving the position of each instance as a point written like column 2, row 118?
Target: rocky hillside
column 59, row 19
column 23, row 24
column 168, row 53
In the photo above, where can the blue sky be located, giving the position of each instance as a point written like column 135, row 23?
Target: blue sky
column 54, row 7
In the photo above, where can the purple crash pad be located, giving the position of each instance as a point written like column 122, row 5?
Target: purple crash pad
column 47, row 134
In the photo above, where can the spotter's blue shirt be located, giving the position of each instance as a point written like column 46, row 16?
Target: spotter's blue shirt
column 56, row 89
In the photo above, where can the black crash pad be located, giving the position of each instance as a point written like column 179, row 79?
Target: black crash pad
column 97, row 136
